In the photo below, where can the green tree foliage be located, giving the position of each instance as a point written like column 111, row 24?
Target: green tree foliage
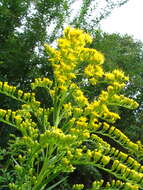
column 23, row 28
column 124, row 52
column 54, row 140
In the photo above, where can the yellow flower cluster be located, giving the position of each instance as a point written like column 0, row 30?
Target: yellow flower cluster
column 41, row 82
column 124, row 101
column 71, row 53
column 56, row 136
column 117, row 184
column 96, row 185
column 93, row 73
column 130, row 186
column 81, row 123
column 127, row 172
column 65, row 59
column 99, row 109
column 67, row 109
column 78, row 187
column 66, row 165
column 80, row 99
column 81, row 134
column 7, row 88
column 102, row 145
column 18, row 94
column 92, row 56
column 77, row 37
column 19, row 119
column 77, row 111
column 116, row 75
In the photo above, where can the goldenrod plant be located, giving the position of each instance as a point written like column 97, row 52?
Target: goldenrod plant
column 53, row 140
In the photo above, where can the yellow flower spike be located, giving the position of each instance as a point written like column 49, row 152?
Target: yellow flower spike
column 81, row 100
column 139, row 177
column 47, row 81
column 52, row 93
column 71, row 168
column 5, row 86
column 116, row 152
column 39, row 82
column 92, row 56
column 63, row 88
column 117, row 86
column 95, row 114
column 112, row 151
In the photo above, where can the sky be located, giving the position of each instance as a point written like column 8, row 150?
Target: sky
column 128, row 19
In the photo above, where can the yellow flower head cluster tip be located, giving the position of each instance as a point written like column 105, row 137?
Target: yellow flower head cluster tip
column 72, row 52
